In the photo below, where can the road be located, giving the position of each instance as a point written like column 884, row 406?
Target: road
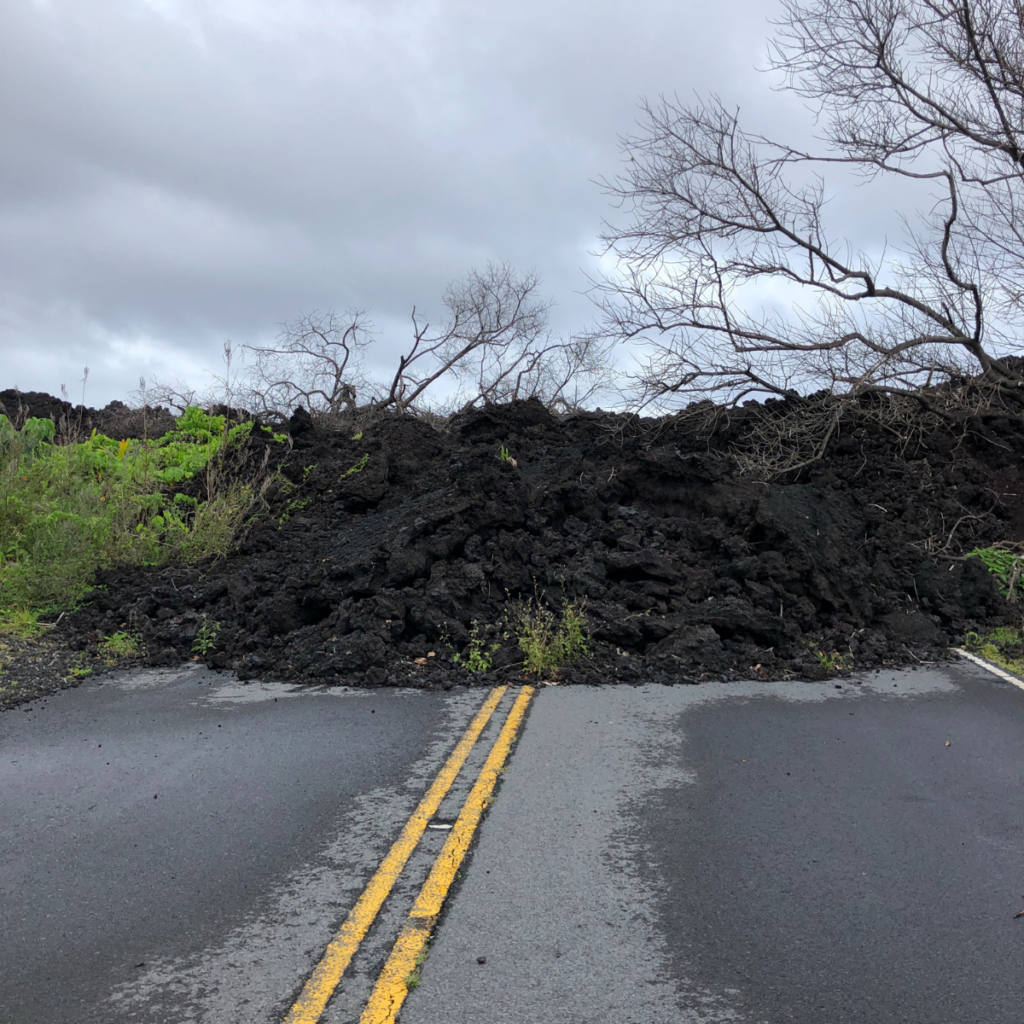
column 179, row 847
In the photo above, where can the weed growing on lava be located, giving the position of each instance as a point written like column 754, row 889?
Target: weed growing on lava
column 477, row 655
column 549, row 641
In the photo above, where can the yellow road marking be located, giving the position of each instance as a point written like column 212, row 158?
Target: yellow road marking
column 391, row 988
column 327, row 973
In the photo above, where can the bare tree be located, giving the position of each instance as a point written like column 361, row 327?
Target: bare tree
column 179, row 396
column 176, row 397
column 493, row 315
column 495, row 343
column 561, row 372
column 492, row 343
column 928, row 91
column 316, row 362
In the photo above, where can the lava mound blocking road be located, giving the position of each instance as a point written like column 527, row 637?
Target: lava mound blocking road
column 378, row 552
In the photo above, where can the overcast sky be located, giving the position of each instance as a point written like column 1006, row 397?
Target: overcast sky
column 178, row 173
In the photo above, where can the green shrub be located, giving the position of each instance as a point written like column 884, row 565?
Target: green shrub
column 1003, row 564
column 68, row 510
column 549, row 642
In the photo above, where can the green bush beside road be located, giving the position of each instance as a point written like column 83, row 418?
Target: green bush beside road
column 67, row 510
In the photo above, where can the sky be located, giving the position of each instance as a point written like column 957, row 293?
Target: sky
column 177, row 174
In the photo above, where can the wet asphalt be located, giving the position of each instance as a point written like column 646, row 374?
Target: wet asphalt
column 749, row 853
column 740, row 852
column 143, row 819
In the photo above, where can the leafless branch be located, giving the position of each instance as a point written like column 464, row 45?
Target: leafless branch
column 717, row 217
column 316, row 362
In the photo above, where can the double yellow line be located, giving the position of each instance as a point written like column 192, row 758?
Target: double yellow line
column 391, row 988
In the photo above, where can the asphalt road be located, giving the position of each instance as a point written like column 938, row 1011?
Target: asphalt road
column 174, row 847
column 730, row 852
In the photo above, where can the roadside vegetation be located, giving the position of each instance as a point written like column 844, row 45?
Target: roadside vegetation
column 546, row 639
column 70, row 509
column 1004, row 645
column 549, row 641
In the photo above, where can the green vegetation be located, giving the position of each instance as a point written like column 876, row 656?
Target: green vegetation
column 830, row 660
column 357, row 468
column 285, row 486
column 119, row 646
column 549, row 642
column 1004, row 564
column 21, row 622
column 477, row 655
column 833, row 661
column 79, row 670
column 1003, row 646
column 503, row 454
column 67, row 510
column 206, row 637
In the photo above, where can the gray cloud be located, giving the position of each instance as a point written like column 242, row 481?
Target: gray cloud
column 175, row 174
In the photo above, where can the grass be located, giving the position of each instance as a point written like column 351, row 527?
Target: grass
column 413, row 979
column 831, row 661
column 79, row 670
column 67, row 510
column 20, row 622
column 119, row 646
column 1003, row 646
